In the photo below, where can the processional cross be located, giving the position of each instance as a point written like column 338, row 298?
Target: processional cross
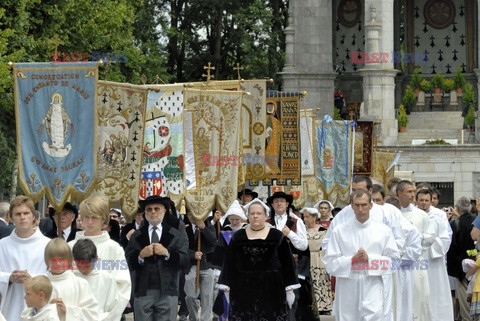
column 55, row 41
column 208, row 68
column 238, row 68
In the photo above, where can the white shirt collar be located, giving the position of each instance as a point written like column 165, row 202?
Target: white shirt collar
column 66, row 232
column 407, row 209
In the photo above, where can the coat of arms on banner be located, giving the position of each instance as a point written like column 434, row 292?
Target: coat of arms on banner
column 163, row 152
column 55, row 107
column 121, row 117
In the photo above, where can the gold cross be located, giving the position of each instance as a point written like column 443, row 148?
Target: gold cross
column 210, row 67
column 55, row 41
column 238, row 68
column 351, row 114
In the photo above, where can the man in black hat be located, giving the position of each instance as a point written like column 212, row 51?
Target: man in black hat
column 296, row 233
column 246, row 196
column 157, row 252
column 68, row 215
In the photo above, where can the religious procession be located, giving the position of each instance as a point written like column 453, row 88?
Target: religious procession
column 186, row 160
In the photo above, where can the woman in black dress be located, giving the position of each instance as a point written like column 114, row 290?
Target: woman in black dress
column 258, row 270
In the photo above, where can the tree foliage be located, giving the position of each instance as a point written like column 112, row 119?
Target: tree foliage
column 165, row 40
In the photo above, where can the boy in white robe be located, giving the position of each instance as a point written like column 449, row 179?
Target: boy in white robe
column 102, row 283
column 95, row 214
column 359, row 253
column 21, row 256
column 37, row 294
column 72, row 295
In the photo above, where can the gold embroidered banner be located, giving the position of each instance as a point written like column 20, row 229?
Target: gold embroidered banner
column 282, row 149
column 380, row 161
column 121, row 119
column 253, row 129
column 213, row 130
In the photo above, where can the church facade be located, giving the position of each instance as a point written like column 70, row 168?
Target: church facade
column 368, row 49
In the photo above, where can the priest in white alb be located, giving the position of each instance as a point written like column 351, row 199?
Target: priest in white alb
column 422, row 310
column 359, row 253
column 21, row 257
column 440, row 297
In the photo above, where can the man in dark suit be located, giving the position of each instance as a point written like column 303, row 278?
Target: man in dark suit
column 5, row 228
column 130, row 228
column 206, row 232
column 157, row 252
column 69, row 214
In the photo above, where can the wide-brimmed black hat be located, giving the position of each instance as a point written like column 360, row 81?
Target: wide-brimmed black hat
column 154, row 199
column 287, row 197
column 69, row 207
column 247, row 192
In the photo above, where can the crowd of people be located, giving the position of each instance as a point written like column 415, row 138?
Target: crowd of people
column 391, row 254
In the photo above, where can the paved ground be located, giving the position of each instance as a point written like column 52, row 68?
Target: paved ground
column 129, row 317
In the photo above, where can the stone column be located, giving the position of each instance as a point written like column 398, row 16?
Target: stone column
column 379, row 78
column 309, row 54
column 477, row 120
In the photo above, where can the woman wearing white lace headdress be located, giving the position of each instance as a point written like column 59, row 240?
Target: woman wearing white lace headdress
column 258, row 271
column 325, row 208
column 321, row 286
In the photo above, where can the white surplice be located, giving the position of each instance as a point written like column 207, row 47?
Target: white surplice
column 104, row 288
column 360, row 294
column 421, row 288
column 18, row 253
column 403, row 278
column 47, row 313
column 388, row 215
column 440, row 296
column 111, row 258
column 76, row 295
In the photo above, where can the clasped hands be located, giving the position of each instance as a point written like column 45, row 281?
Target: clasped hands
column 19, row 276
column 361, row 255
column 153, row 249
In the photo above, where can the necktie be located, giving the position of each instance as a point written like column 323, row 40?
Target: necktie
column 63, row 235
column 155, row 235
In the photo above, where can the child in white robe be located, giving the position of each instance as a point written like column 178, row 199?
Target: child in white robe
column 37, row 294
column 102, row 283
column 72, row 295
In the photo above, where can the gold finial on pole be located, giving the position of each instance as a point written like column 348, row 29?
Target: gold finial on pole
column 238, row 68
column 208, row 68
column 55, row 41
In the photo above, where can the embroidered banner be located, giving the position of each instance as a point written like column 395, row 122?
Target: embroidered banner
column 121, row 116
column 282, row 149
column 163, row 150
column 253, row 129
column 55, row 108
column 215, row 136
column 362, row 163
column 334, row 150
column 380, row 162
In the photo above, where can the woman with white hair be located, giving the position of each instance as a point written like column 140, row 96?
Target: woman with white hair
column 324, row 208
column 320, row 279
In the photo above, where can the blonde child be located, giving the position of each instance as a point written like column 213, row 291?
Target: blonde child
column 72, row 295
column 95, row 217
column 37, row 294
column 102, row 283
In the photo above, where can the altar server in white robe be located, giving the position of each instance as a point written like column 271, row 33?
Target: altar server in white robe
column 38, row 291
column 95, row 214
column 403, row 276
column 421, row 289
column 21, row 257
column 360, row 251
column 102, row 283
column 386, row 214
column 440, row 297
column 72, row 295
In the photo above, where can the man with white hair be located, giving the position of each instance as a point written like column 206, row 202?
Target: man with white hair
column 5, row 229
